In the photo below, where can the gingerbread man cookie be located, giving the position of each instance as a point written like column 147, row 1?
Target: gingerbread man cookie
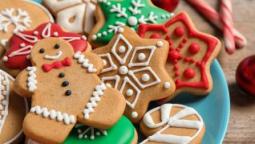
column 19, row 15
column 112, row 14
column 136, row 67
column 172, row 124
column 65, row 89
column 17, row 56
column 13, row 109
column 190, row 55
column 73, row 15
column 123, row 132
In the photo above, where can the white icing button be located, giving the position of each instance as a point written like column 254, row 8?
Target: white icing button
column 134, row 114
column 132, row 21
column 160, row 44
column 141, row 56
column 122, row 49
column 129, row 92
column 94, row 37
column 145, row 77
column 5, row 58
column 123, row 70
column 167, row 85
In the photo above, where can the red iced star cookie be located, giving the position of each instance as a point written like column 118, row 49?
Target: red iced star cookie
column 17, row 57
column 190, row 55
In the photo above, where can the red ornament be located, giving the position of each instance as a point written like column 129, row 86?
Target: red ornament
column 245, row 75
column 168, row 5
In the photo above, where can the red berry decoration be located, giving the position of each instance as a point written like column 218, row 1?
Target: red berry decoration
column 168, row 5
column 245, row 75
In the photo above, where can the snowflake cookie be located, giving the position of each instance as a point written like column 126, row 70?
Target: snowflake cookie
column 73, row 15
column 112, row 14
column 17, row 56
column 172, row 124
column 190, row 55
column 136, row 67
column 12, row 111
column 19, row 15
column 65, row 89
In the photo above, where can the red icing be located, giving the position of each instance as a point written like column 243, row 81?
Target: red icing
column 57, row 65
column 245, row 75
column 78, row 42
column 194, row 48
column 179, row 31
column 181, row 52
column 169, row 5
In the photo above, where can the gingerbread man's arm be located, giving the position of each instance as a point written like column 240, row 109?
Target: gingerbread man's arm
column 26, row 83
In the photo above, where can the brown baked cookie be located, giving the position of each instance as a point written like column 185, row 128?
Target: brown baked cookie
column 136, row 67
column 13, row 109
column 19, row 15
column 73, row 15
column 65, row 89
column 173, row 124
column 190, row 55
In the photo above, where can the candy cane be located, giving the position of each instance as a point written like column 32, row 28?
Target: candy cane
column 213, row 16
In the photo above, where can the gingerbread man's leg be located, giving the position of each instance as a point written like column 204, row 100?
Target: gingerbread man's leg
column 107, row 112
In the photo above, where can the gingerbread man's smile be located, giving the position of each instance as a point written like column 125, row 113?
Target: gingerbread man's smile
column 54, row 57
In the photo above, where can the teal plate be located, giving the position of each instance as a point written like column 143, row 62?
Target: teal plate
column 214, row 108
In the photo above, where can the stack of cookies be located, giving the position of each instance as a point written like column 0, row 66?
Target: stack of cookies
column 85, row 71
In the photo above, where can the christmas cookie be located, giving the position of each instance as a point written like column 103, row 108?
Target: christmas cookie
column 123, row 132
column 112, row 14
column 17, row 56
column 13, row 109
column 190, row 55
column 19, row 15
column 73, row 15
column 65, row 89
column 136, row 67
column 173, row 124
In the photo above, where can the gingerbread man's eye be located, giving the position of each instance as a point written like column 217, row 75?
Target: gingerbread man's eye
column 56, row 46
column 41, row 50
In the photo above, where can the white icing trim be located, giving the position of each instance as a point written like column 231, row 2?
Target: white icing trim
column 31, row 80
column 53, row 57
column 53, row 114
column 83, row 133
column 81, row 59
column 115, row 78
column 46, row 32
column 112, row 65
column 177, row 120
column 95, row 98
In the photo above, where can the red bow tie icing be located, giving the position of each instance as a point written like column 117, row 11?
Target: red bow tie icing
column 190, row 53
column 57, row 65
column 21, row 43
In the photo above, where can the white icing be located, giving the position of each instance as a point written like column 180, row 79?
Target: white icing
column 167, row 85
column 89, row 132
column 178, row 120
column 53, row 114
column 134, row 114
column 132, row 21
column 132, row 72
column 31, row 80
column 95, row 98
column 17, row 17
column 3, row 42
column 122, row 49
column 53, row 57
column 81, row 59
column 160, row 44
column 129, row 92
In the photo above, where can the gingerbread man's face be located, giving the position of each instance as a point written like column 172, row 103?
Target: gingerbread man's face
column 50, row 51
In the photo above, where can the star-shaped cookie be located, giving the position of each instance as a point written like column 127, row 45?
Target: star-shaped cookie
column 190, row 55
column 136, row 67
column 112, row 14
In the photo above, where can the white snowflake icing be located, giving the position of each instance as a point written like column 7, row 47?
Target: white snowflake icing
column 133, row 16
column 89, row 132
column 17, row 17
column 132, row 72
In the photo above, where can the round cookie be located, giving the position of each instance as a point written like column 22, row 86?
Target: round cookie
column 172, row 123
column 13, row 109
column 17, row 56
column 112, row 14
column 19, row 15
column 73, row 15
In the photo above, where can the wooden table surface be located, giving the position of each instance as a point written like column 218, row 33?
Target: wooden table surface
column 242, row 121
